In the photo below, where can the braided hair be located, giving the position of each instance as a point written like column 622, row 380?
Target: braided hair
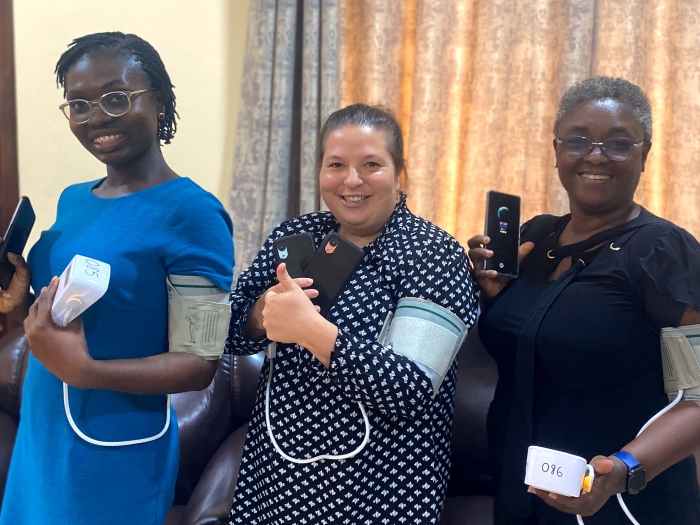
column 137, row 48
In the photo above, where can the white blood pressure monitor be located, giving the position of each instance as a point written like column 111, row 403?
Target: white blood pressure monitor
column 81, row 284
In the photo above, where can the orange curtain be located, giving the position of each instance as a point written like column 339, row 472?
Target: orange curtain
column 475, row 85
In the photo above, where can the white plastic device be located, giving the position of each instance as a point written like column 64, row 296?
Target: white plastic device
column 558, row 472
column 81, row 284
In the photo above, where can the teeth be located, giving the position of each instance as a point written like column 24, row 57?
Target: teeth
column 354, row 198
column 591, row 176
column 107, row 138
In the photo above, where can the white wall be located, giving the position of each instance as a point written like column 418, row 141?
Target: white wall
column 202, row 46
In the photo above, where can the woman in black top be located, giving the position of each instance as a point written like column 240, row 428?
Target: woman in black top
column 576, row 335
column 330, row 370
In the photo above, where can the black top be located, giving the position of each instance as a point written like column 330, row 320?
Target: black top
column 586, row 348
column 401, row 475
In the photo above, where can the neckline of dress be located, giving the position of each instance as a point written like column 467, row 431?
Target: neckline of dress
column 99, row 182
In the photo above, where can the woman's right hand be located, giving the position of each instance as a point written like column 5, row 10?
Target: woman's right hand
column 17, row 293
column 490, row 283
column 254, row 328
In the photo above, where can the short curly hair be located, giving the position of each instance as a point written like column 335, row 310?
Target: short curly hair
column 601, row 88
column 142, row 51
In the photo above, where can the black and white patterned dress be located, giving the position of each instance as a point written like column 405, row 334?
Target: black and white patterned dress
column 402, row 474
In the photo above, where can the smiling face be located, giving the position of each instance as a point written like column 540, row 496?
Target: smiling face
column 595, row 184
column 116, row 141
column 358, row 180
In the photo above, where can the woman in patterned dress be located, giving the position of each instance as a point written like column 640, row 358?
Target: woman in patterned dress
column 327, row 371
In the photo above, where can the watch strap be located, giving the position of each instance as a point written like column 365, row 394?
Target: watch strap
column 628, row 459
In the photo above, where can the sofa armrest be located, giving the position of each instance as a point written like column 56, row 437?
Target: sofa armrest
column 212, row 497
column 8, row 431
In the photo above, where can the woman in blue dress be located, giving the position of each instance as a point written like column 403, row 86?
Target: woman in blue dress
column 147, row 223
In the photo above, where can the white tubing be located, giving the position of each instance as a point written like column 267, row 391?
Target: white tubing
column 662, row 412
column 322, row 456
column 66, row 406
column 646, row 425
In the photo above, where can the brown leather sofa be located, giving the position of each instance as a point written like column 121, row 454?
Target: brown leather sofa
column 212, row 426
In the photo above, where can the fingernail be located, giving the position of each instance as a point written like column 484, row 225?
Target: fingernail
column 552, row 495
column 531, row 490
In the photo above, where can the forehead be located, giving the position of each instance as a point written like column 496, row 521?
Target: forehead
column 98, row 72
column 360, row 139
column 601, row 117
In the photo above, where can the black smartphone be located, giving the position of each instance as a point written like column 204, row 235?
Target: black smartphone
column 295, row 251
column 15, row 239
column 503, row 230
column 331, row 268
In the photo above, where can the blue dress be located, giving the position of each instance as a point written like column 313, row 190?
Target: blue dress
column 56, row 477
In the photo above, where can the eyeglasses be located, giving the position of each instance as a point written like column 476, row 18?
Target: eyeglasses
column 616, row 149
column 114, row 104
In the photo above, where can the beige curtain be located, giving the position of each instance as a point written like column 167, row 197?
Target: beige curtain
column 290, row 81
column 476, row 84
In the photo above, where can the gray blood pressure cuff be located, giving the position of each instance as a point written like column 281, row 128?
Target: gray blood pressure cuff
column 680, row 353
column 427, row 334
column 198, row 316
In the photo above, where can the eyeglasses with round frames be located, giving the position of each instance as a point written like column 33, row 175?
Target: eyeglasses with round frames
column 114, row 104
column 615, row 149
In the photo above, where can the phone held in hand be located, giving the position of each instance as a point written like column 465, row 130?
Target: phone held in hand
column 331, row 268
column 503, row 230
column 295, row 251
column 15, row 239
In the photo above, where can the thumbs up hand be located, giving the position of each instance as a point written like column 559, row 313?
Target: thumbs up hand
column 288, row 313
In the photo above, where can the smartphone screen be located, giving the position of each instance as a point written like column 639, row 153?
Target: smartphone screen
column 295, row 251
column 15, row 239
column 331, row 268
column 503, row 229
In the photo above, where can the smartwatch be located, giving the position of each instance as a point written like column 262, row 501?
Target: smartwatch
column 636, row 475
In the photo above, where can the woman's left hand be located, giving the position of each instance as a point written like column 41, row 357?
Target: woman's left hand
column 610, row 479
column 63, row 351
column 288, row 316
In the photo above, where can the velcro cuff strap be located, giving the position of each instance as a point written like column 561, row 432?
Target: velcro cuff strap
column 427, row 334
column 680, row 360
column 198, row 316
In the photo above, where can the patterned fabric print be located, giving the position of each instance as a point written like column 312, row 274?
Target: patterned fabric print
column 401, row 476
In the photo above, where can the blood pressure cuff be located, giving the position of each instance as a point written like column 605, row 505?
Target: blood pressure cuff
column 198, row 316
column 680, row 353
column 427, row 334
